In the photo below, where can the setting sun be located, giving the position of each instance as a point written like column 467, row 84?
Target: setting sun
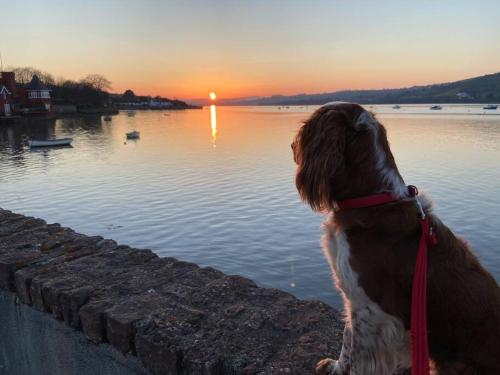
column 212, row 96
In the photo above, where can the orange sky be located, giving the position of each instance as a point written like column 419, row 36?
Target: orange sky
column 186, row 49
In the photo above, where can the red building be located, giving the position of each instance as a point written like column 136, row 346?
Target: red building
column 8, row 79
column 31, row 98
column 7, row 91
column 5, row 101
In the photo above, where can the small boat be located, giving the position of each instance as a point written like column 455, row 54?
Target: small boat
column 490, row 106
column 50, row 142
column 436, row 107
column 130, row 113
column 396, row 106
column 133, row 135
column 108, row 118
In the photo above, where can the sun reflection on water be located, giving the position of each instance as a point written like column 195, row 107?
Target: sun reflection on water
column 213, row 123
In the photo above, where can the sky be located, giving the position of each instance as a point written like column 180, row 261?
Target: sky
column 188, row 48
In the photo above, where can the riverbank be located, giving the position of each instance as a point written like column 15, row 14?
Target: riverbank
column 174, row 316
column 64, row 112
column 69, row 111
column 166, row 108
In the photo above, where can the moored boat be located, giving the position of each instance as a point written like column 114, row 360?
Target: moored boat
column 50, row 142
column 490, row 106
column 108, row 118
column 396, row 106
column 130, row 113
column 133, row 135
column 436, row 107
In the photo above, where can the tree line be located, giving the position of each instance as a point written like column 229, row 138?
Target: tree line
column 90, row 91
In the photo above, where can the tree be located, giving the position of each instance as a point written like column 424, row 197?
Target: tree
column 128, row 95
column 79, row 94
column 47, row 78
column 97, row 82
column 25, row 74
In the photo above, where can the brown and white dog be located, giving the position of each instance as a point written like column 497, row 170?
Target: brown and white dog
column 342, row 152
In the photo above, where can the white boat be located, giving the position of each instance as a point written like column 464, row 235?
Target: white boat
column 436, row 107
column 50, row 142
column 396, row 106
column 133, row 135
column 490, row 106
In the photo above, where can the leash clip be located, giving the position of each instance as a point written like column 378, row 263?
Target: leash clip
column 420, row 209
column 431, row 237
column 413, row 192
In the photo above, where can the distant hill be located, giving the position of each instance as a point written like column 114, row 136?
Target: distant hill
column 484, row 89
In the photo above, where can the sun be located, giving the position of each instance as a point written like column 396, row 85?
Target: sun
column 212, row 96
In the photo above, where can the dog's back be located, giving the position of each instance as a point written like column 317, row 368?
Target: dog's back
column 464, row 307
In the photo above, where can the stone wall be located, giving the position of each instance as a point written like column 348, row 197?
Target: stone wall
column 173, row 316
column 32, row 342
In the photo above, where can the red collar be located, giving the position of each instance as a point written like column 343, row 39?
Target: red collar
column 374, row 200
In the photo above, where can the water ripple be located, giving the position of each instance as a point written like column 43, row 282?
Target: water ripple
column 234, row 206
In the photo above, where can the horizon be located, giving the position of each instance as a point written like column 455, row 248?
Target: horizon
column 238, row 49
column 360, row 89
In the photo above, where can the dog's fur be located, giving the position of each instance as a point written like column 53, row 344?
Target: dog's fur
column 342, row 152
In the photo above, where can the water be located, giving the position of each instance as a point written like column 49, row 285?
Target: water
column 216, row 186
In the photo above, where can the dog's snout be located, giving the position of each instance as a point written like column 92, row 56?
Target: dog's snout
column 292, row 145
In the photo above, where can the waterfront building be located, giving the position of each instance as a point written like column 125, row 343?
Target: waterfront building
column 8, row 79
column 8, row 91
column 159, row 103
column 37, row 96
column 5, row 101
column 31, row 98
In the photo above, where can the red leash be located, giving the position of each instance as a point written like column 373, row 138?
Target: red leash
column 420, row 346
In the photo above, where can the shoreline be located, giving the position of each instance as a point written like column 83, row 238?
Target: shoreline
column 12, row 120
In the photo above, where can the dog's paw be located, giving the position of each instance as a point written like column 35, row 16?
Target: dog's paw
column 328, row 366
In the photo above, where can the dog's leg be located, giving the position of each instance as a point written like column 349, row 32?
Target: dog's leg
column 329, row 366
column 458, row 368
column 403, row 372
column 380, row 345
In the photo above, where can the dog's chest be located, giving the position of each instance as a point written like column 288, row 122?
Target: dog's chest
column 338, row 252
column 368, row 321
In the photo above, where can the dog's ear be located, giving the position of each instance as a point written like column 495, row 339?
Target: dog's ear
column 320, row 150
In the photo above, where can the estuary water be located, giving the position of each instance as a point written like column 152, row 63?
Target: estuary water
column 216, row 186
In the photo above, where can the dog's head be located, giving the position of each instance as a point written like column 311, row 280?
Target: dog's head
column 342, row 152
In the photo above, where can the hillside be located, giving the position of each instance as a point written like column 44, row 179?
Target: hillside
column 483, row 89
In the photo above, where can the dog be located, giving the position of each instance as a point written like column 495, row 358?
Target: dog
column 342, row 152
